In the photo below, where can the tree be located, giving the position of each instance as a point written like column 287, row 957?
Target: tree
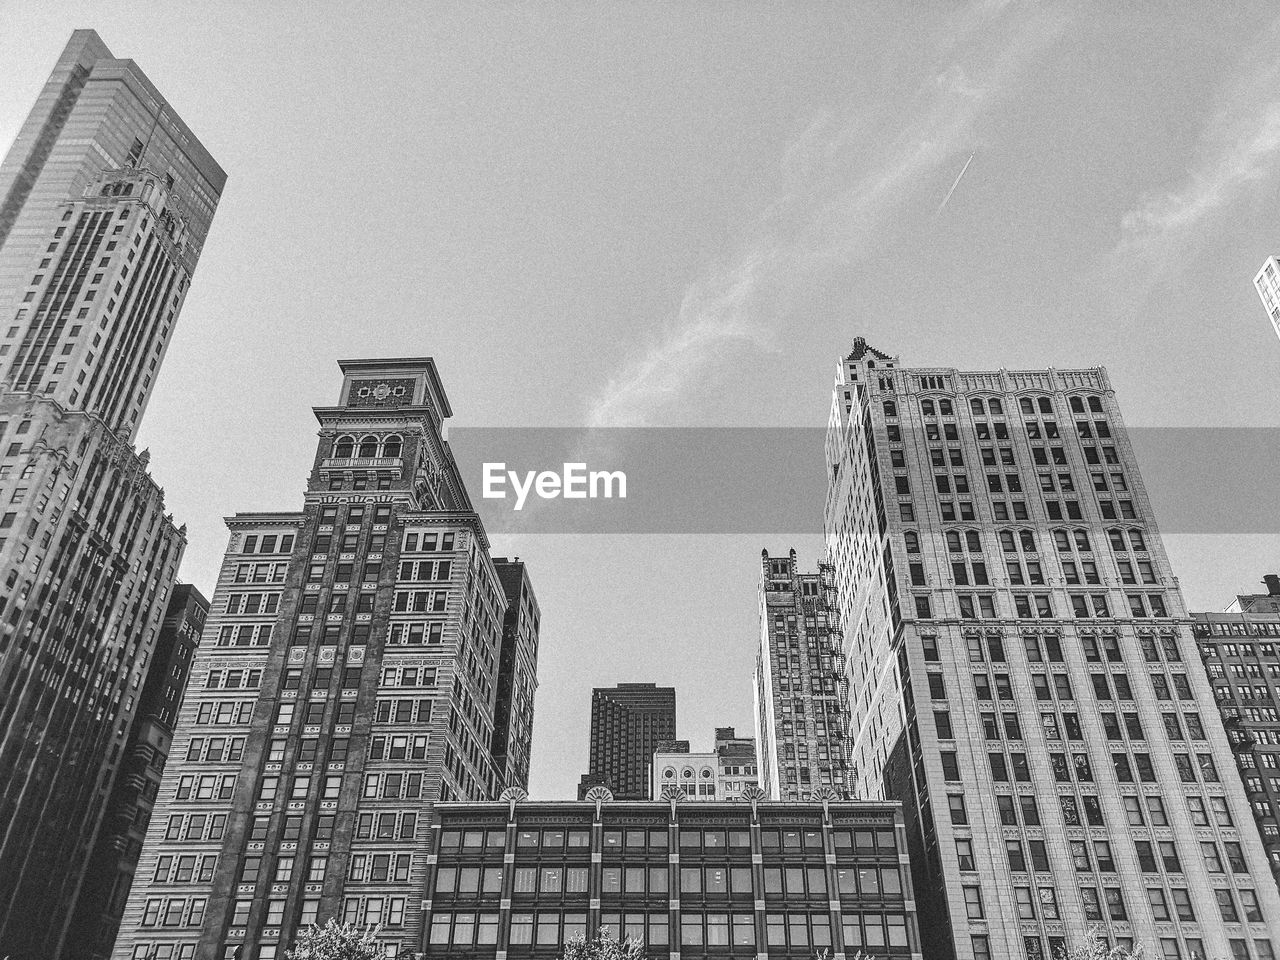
column 1093, row 947
column 603, row 947
column 337, row 941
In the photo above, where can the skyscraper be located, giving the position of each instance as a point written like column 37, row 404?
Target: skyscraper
column 105, row 201
column 628, row 723
column 801, row 691
column 1267, row 283
column 1240, row 648
column 128, row 811
column 106, row 198
column 1019, row 654
column 348, row 678
column 517, row 675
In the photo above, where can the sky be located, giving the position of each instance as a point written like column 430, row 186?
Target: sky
column 681, row 215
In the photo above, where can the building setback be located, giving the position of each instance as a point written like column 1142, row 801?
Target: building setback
column 755, row 879
column 1241, row 653
column 105, row 201
column 1015, row 640
column 347, row 680
column 115, row 857
column 628, row 723
column 801, row 690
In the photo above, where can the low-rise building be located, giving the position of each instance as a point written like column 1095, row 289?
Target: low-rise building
column 1240, row 648
column 754, row 878
column 722, row 773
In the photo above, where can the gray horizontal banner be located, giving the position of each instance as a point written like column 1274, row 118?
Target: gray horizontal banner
column 772, row 480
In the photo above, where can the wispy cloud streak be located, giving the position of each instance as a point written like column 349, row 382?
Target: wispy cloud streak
column 822, row 215
column 1239, row 147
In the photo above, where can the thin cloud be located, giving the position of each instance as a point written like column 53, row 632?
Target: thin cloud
column 1240, row 147
column 819, row 217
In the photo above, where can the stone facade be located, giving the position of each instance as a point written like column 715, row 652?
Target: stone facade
column 115, row 857
column 106, row 198
column 801, row 691
column 1015, row 639
column 723, row 773
column 1240, row 648
column 88, row 555
column 347, row 680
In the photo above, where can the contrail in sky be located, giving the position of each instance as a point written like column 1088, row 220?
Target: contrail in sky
column 956, row 184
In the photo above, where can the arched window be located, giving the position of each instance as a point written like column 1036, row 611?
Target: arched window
column 1136, row 538
column 944, row 408
column 368, row 447
column 996, row 407
column 1026, row 406
column 1077, row 404
column 890, row 408
column 1046, row 405
column 913, row 541
column 975, row 404
column 391, row 446
column 953, row 541
column 344, row 447
column 1082, row 541
column 1028, row 539
column 926, row 407
column 973, row 541
column 1117, row 541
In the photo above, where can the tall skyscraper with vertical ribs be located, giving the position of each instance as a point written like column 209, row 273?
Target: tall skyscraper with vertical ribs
column 105, row 201
column 349, row 677
column 1023, row 672
column 628, row 722
column 801, row 688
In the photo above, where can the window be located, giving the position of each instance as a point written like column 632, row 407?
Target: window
column 973, row 903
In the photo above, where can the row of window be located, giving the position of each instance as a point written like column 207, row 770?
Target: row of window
column 1106, row 686
column 865, row 881
column 1169, row 948
column 1038, row 648
column 980, row 406
column 865, row 842
column 267, row 543
column 789, row 930
column 368, row 447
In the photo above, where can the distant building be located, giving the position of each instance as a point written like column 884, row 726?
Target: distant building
column 801, row 691
column 106, row 198
column 517, row 675
column 720, row 774
column 1267, row 283
column 628, row 722
column 1241, row 652
column 690, row 880
column 124, row 827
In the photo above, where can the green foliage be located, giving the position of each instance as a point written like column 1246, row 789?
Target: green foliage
column 337, row 941
column 603, row 947
column 1093, row 947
